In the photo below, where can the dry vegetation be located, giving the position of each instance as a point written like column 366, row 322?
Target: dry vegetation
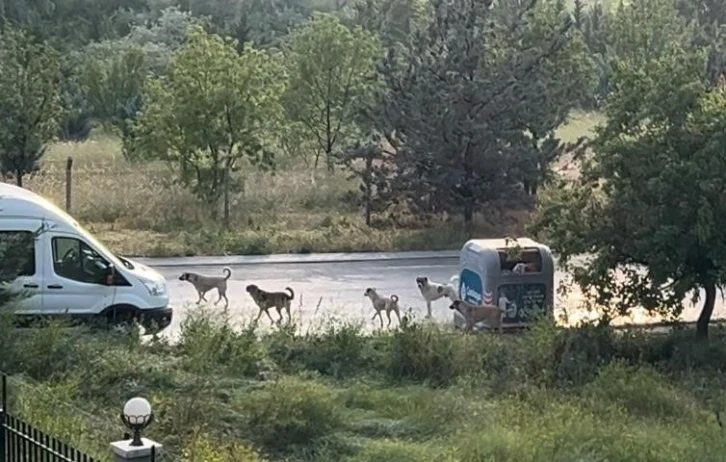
column 138, row 209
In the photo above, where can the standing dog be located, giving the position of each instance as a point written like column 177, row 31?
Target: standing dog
column 474, row 314
column 266, row 300
column 383, row 304
column 432, row 291
column 204, row 284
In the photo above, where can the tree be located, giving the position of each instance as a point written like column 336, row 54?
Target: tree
column 263, row 22
column 644, row 30
column 651, row 195
column 565, row 80
column 30, row 101
column 332, row 69
column 214, row 107
column 161, row 37
column 578, row 15
column 395, row 21
column 461, row 101
column 369, row 161
column 113, row 86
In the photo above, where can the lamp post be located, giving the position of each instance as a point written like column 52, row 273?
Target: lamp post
column 136, row 416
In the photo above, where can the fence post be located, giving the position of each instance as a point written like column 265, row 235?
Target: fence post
column 3, row 413
column 227, row 178
column 69, row 183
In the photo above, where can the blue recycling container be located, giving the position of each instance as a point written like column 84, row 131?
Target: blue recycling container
column 518, row 275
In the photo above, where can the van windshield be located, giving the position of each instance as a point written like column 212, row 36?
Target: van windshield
column 89, row 237
column 101, row 248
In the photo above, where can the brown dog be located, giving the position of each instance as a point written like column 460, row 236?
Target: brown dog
column 266, row 300
column 474, row 314
column 383, row 304
column 204, row 284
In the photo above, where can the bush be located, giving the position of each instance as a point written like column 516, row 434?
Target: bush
column 290, row 412
column 209, row 342
column 431, row 354
column 641, row 391
column 201, row 448
column 418, row 393
column 337, row 351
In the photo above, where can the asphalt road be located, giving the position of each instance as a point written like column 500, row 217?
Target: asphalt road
column 333, row 290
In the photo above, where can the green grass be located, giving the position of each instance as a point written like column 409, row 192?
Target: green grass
column 139, row 210
column 418, row 394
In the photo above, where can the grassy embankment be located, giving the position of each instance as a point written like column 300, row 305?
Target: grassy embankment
column 139, row 210
column 419, row 394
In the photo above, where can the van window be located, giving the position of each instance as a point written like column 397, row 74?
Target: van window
column 529, row 260
column 17, row 254
column 74, row 259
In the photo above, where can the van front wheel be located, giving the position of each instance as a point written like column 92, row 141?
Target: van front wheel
column 122, row 315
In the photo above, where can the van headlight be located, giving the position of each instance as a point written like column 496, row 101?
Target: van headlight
column 155, row 289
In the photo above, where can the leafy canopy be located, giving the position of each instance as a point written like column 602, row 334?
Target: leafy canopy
column 332, row 69
column 213, row 109
column 652, row 193
column 30, row 101
column 467, row 102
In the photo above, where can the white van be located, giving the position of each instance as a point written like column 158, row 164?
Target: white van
column 68, row 272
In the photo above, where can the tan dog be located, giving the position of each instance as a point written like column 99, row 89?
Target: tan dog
column 266, row 300
column 204, row 284
column 474, row 314
column 386, row 304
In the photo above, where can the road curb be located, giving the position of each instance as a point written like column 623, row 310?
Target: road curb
column 293, row 259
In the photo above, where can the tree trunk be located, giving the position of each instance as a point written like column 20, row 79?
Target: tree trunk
column 468, row 216
column 368, row 186
column 19, row 178
column 707, row 311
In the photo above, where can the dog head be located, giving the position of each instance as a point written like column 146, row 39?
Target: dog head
column 455, row 305
column 370, row 292
column 421, row 281
column 252, row 289
column 191, row 277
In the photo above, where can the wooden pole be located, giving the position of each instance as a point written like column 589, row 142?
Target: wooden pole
column 69, row 183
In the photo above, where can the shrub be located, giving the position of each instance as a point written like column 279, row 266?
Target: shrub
column 430, row 354
column 208, row 342
column 201, row 448
column 641, row 391
column 337, row 351
column 290, row 412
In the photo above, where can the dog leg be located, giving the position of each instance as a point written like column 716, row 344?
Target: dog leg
column 428, row 309
column 388, row 315
column 378, row 313
column 267, row 312
column 259, row 315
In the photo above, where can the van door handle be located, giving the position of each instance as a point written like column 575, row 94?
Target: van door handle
column 30, row 286
column 55, row 286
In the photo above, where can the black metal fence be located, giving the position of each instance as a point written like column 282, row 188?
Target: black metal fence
column 21, row 442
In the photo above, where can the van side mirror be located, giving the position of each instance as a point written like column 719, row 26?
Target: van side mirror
column 110, row 275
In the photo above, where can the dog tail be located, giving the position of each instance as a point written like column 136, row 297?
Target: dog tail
column 394, row 298
column 292, row 294
column 227, row 273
